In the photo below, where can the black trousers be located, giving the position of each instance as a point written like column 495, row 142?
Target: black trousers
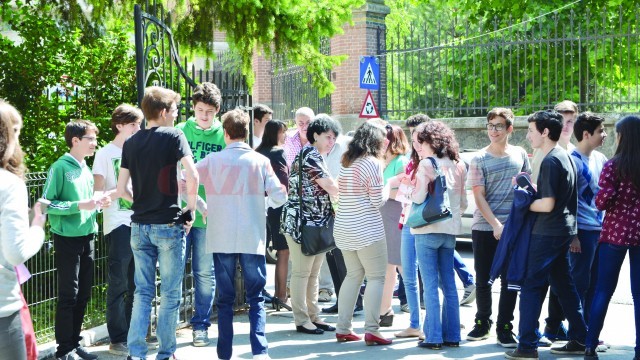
column 73, row 258
column 484, row 249
column 338, row 271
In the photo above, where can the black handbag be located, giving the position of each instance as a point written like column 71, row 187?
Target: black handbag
column 314, row 240
column 435, row 207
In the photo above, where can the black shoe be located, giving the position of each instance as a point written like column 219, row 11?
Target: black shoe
column 386, row 320
column 556, row 333
column 571, row 347
column 432, row 346
column 84, row 354
column 315, row 331
column 276, row 304
column 357, row 309
column 451, row 343
column 590, row 354
column 267, row 297
column 518, row 354
column 325, row 327
column 505, row 336
column 331, row 309
column 480, row 330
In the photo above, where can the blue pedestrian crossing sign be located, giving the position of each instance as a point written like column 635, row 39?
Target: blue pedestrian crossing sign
column 369, row 72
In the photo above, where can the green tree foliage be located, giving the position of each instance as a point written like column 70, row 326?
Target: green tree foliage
column 476, row 55
column 54, row 74
column 290, row 30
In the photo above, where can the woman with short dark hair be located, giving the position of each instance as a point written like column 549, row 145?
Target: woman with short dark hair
column 314, row 181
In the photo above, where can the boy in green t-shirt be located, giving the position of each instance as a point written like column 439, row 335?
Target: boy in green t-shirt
column 205, row 135
column 72, row 216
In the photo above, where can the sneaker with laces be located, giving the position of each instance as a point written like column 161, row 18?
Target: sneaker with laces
column 200, row 338
column 556, row 333
column 405, row 308
column 84, row 354
column 544, row 342
column 519, row 354
column 469, row 294
column 324, row 295
column 506, row 336
column 69, row 356
column 571, row 347
column 480, row 330
column 120, row 348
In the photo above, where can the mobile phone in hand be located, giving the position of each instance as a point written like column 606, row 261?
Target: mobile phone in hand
column 186, row 216
column 524, row 181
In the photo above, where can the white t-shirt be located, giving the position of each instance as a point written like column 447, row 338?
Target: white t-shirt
column 107, row 164
column 256, row 141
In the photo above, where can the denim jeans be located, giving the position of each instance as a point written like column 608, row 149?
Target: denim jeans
column 548, row 261
column 462, row 270
column 610, row 259
column 484, row 250
column 410, row 275
column 152, row 244
column 255, row 277
column 435, row 259
column 74, row 260
column 205, row 284
column 581, row 263
column 121, row 285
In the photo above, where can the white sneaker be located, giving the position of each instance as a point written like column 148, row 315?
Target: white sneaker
column 469, row 294
column 261, row 357
column 324, row 295
column 200, row 338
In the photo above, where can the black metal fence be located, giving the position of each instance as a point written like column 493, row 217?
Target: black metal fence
column 465, row 69
column 291, row 88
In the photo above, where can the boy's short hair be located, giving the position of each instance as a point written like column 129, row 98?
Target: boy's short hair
column 259, row 110
column 417, row 119
column 78, row 129
column 157, row 99
column 504, row 113
column 587, row 121
column 566, row 106
column 207, row 93
column 547, row 119
column 125, row 114
column 236, row 124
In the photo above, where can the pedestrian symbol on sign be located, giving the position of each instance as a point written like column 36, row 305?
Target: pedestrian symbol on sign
column 369, row 73
column 369, row 76
column 369, row 109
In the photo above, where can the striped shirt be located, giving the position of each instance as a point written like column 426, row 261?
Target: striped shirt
column 358, row 221
column 495, row 174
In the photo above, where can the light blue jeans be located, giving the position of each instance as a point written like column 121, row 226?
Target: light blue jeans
column 162, row 244
column 410, row 275
column 205, row 284
column 435, row 260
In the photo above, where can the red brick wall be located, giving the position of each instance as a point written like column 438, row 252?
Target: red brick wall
column 262, row 86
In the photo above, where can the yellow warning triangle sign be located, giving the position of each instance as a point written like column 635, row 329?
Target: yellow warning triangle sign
column 369, row 108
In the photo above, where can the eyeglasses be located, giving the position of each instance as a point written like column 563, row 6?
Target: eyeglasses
column 90, row 138
column 496, row 127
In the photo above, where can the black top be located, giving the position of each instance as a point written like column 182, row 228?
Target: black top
column 152, row 156
column 557, row 179
column 278, row 163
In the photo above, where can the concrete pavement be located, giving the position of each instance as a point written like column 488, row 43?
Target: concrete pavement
column 286, row 343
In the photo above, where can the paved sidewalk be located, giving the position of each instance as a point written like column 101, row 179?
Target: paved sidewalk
column 286, row 343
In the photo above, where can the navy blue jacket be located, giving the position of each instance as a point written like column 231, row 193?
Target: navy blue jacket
column 513, row 248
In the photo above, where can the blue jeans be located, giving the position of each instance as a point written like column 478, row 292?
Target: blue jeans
column 610, row 258
column 462, row 270
column 581, row 263
column 205, row 284
column 121, row 284
column 152, row 244
column 255, row 277
column 410, row 275
column 548, row 262
column 435, row 259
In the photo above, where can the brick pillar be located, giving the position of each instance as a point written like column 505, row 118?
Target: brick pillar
column 361, row 38
column 261, row 90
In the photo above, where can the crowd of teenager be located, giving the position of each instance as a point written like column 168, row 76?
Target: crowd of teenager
column 560, row 221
